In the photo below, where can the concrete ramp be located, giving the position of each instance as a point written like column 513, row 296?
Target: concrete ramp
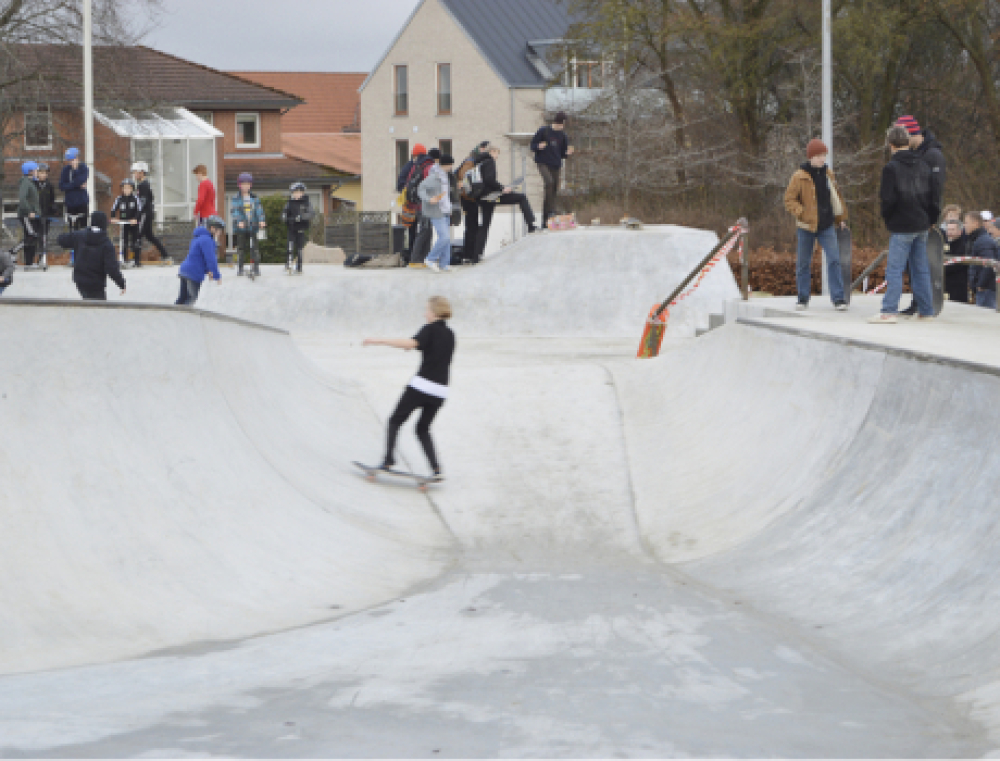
column 590, row 282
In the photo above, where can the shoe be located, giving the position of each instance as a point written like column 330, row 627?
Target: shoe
column 801, row 306
column 438, row 477
column 910, row 311
column 417, row 265
column 433, row 266
column 840, row 306
column 926, row 317
column 532, row 230
column 883, row 319
column 446, row 270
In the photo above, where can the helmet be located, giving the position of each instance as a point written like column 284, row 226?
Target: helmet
column 28, row 167
column 43, row 167
column 298, row 186
column 215, row 221
column 140, row 166
column 128, row 181
column 72, row 153
column 244, row 177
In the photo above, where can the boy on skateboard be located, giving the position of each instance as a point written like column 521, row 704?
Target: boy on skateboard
column 428, row 389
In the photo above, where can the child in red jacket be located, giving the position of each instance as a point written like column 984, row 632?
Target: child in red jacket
column 204, row 207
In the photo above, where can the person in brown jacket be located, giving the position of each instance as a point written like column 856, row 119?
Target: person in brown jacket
column 814, row 200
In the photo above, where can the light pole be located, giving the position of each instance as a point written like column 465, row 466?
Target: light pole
column 827, row 106
column 88, row 102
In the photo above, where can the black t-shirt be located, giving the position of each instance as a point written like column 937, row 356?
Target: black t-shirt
column 437, row 342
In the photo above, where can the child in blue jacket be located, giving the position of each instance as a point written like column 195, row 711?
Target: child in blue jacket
column 247, row 214
column 200, row 261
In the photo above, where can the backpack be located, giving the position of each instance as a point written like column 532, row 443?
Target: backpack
column 417, row 175
column 472, row 183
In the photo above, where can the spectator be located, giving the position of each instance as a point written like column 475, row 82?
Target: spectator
column 496, row 194
column 200, row 261
column 421, row 231
column 47, row 202
column 981, row 245
column 6, row 270
column 470, row 206
column 204, row 207
column 950, row 213
column 147, row 208
column 435, row 195
column 29, row 210
column 925, row 145
column 418, row 152
column 73, row 183
column 96, row 260
column 956, row 276
column 814, row 199
column 247, row 215
column 551, row 147
column 909, row 207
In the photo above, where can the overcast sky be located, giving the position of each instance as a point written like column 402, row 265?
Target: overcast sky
column 277, row 35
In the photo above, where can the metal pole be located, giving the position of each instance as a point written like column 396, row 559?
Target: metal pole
column 827, row 106
column 745, row 265
column 88, row 101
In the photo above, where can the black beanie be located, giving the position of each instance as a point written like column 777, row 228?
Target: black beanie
column 434, row 153
column 560, row 118
column 99, row 220
column 447, row 160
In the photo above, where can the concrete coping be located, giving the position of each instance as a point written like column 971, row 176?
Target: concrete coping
column 138, row 306
column 917, row 356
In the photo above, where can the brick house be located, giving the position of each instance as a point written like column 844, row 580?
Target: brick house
column 325, row 128
column 155, row 107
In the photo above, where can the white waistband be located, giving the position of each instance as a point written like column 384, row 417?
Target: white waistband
column 429, row 387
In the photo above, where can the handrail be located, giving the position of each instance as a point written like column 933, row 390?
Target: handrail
column 869, row 269
column 698, row 268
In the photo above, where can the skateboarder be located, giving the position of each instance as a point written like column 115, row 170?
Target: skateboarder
column 814, row 199
column 428, row 389
column 201, row 261
column 96, row 260
column 909, row 208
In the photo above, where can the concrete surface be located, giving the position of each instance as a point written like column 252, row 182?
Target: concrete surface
column 592, row 283
column 759, row 544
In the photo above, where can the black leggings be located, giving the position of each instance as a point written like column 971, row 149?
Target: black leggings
column 146, row 227
column 246, row 251
column 296, row 242
column 410, row 401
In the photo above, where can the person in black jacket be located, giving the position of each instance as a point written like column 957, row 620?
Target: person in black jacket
column 981, row 245
column 298, row 215
column 126, row 210
column 909, row 208
column 147, row 209
column 926, row 146
column 96, row 260
column 551, row 147
column 956, row 276
column 496, row 194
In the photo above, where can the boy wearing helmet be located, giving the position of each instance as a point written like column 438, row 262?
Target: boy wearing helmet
column 147, row 208
column 200, row 261
column 248, row 217
column 73, row 183
column 298, row 215
column 47, row 200
column 126, row 212
column 29, row 210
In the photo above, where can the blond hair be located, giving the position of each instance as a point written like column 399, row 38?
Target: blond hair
column 440, row 306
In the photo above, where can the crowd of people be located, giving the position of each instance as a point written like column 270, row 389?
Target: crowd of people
column 911, row 194
column 437, row 193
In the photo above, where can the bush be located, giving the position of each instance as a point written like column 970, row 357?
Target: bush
column 275, row 248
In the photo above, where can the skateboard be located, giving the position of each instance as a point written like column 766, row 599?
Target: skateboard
column 846, row 259
column 372, row 473
column 935, row 261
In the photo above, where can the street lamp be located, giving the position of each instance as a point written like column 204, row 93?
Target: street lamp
column 827, row 107
column 88, row 101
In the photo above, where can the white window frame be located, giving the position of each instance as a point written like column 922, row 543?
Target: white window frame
column 451, row 89
column 255, row 115
column 48, row 115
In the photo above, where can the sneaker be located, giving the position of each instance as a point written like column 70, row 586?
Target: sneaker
column 801, row 306
column 840, row 306
column 883, row 319
column 446, row 270
column 926, row 317
column 417, row 265
column 910, row 311
column 433, row 266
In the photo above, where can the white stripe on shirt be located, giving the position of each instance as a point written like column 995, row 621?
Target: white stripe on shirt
column 429, row 387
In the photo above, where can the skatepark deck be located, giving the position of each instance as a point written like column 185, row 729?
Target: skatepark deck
column 763, row 543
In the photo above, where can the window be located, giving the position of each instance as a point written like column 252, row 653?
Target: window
column 445, row 146
column 38, row 130
column 584, row 74
column 402, row 155
column 248, row 130
column 205, row 116
column 444, row 89
column 401, row 90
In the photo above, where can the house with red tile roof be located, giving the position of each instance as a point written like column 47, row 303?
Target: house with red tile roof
column 169, row 112
column 325, row 128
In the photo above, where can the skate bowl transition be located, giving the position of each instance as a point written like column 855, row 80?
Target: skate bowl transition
column 757, row 544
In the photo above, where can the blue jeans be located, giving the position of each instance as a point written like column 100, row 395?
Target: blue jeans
column 908, row 249
column 189, row 292
column 803, row 263
column 441, row 253
column 986, row 299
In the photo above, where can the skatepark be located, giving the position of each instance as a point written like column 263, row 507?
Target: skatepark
column 776, row 539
